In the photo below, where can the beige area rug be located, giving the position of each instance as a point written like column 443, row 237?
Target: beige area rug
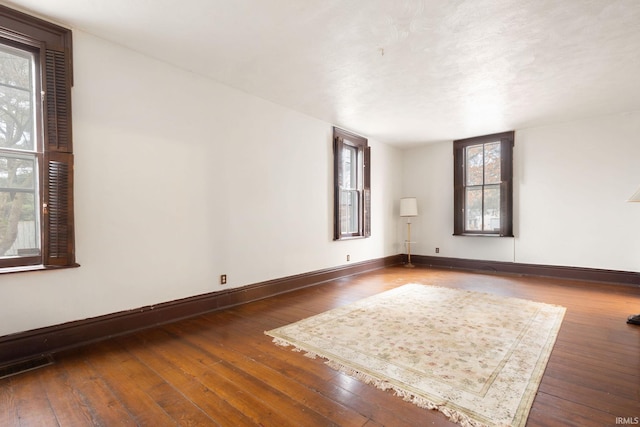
column 478, row 358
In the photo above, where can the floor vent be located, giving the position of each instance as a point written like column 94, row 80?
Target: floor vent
column 25, row 366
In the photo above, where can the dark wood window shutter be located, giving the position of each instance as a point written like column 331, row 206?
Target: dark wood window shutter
column 337, row 170
column 506, row 186
column 57, row 102
column 58, row 210
column 58, row 218
column 367, row 192
column 458, row 190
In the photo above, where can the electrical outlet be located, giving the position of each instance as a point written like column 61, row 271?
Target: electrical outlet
column 437, row 250
column 348, row 257
column 223, row 279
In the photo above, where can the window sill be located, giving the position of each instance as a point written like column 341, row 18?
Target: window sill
column 38, row 267
column 349, row 238
column 482, row 235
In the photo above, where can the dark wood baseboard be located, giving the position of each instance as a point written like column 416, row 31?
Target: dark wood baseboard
column 29, row 344
column 560, row 272
column 35, row 343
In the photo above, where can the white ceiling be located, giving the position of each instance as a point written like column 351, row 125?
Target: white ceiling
column 399, row 71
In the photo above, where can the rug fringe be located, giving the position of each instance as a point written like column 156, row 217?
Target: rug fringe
column 283, row 343
column 451, row 414
column 280, row 342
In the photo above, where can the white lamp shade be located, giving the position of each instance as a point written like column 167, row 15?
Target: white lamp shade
column 635, row 197
column 408, row 206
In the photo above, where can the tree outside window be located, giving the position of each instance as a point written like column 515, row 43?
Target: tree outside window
column 19, row 210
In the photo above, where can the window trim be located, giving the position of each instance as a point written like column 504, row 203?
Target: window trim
column 53, row 45
column 507, row 140
column 364, row 191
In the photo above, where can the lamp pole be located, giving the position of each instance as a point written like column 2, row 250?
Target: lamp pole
column 408, row 208
column 408, row 264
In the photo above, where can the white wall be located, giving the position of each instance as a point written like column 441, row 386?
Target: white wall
column 180, row 179
column 571, row 181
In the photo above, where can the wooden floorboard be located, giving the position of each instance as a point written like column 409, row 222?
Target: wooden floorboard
column 220, row 369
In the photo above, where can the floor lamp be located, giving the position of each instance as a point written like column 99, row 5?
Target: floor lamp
column 408, row 209
column 634, row 319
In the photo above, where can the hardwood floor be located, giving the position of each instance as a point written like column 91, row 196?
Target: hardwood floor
column 220, row 368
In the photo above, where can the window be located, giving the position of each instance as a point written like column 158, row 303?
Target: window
column 36, row 158
column 483, row 185
column 352, row 189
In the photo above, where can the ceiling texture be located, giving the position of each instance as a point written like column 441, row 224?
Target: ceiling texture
column 403, row 72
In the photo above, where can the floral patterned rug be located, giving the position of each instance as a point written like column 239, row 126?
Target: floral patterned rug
column 477, row 358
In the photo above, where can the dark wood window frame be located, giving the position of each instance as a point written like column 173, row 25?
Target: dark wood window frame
column 52, row 45
column 506, row 185
column 342, row 138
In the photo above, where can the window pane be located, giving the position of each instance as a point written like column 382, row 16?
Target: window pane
column 349, row 207
column 474, row 165
column 349, row 167
column 16, row 99
column 17, row 172
column 492, row 163
column 349, row 195
column 19, row 235
column 492, row 208
column 473, row 205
